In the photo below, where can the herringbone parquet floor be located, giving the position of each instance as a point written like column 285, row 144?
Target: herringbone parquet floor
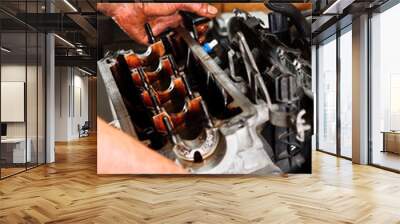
column 69, row 191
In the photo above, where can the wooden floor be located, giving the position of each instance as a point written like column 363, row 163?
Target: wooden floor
column 10, row 171
column 387, row 159
column 69, row 191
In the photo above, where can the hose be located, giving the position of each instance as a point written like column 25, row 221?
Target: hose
column 294, row 14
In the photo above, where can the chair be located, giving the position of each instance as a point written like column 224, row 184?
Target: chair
column 84, row 130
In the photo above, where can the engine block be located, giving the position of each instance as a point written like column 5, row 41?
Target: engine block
column 235, row 99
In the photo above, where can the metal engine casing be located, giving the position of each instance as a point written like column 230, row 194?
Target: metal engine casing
column 241, row 147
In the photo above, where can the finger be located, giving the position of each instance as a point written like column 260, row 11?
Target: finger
column 161, row 24
column 202, row 28
column 201, row 9
column 107, row 8
column 202, row 39
column 138, row 34
column 160, row 9
column 140, row 38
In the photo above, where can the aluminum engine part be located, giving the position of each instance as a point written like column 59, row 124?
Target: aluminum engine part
column 245, row 106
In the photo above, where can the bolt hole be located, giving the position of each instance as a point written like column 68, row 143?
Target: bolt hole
column 197, row 157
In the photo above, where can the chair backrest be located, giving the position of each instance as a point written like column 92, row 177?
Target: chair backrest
column 86, row 124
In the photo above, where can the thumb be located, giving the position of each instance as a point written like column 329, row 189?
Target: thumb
column 201, row 9
column 160, row 24
column 164, row 9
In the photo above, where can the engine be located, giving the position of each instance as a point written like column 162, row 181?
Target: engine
column 227, row 96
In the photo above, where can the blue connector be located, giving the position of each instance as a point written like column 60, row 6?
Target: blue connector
column 208, row 47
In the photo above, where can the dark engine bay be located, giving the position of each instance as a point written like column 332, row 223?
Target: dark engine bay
column 227, row 96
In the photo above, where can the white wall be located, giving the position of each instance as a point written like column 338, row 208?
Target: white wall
column 12, row 73
column 62, row 81
column 71, row 102
column 80, row 94
column 33, row 126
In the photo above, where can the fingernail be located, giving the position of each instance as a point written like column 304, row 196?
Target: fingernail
column 212, row 10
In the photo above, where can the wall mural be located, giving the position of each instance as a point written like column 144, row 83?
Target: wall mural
column 203, row 90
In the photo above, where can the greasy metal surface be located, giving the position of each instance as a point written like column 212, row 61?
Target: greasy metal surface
column 237, row 147
column 205, row 144
column 113, row 93
column 244, row 151
column 223, row 79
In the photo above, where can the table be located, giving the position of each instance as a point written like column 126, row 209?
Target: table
column 391, row 141
column 13, row 150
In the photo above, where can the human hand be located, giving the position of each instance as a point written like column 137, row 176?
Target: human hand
column 119, row 153
column 131, row 17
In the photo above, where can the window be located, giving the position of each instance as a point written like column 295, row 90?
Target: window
column 385, row 89
column 346, row 75
column 22, row 78
column 327, row 96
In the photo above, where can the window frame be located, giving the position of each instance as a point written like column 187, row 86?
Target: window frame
column 378, row 10
column 334, row 37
